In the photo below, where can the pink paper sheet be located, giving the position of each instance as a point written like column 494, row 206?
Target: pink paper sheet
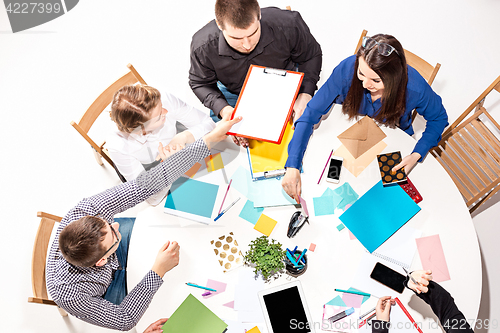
column 352, row 300
column 432, row 257
column 219, row 286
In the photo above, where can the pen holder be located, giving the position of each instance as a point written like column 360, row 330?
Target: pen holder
column 295, row 271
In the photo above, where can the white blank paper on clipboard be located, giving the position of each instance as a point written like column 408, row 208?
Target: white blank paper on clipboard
column 265, row 103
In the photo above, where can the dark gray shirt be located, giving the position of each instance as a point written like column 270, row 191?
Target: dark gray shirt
column 285, row 42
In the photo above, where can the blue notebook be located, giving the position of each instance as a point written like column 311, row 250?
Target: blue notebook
column 378, row 214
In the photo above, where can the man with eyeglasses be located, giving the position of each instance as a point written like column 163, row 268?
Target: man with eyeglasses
column 241, row 35
column 85, row 264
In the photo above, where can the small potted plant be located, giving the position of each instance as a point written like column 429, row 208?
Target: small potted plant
column 266, row 257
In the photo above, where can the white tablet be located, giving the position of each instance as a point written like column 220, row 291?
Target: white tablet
column 285, row 309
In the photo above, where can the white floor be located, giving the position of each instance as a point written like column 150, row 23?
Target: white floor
column 50, row 74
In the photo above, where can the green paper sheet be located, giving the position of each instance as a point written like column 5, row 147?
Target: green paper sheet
column 193, row 317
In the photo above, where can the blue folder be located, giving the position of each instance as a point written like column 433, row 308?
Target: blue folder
column 378, row 214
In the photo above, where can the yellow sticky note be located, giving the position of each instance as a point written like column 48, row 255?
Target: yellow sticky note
column 194, row 169
column 265, row 224
column 254, row 330
column 214, row 162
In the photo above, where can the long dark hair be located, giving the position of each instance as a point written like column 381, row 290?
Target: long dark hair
column 393, row 72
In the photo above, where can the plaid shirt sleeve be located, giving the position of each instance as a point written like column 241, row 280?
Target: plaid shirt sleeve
column 79, row 290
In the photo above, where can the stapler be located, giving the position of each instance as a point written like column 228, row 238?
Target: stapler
column 297, row 221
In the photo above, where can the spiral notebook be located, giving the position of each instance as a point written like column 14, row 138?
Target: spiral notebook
column 400, row 248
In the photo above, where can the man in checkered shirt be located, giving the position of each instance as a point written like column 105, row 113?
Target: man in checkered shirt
column 82, row 258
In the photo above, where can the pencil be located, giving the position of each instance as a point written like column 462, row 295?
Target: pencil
column 328, row 160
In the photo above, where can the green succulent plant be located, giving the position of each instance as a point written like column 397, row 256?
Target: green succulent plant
column 267, row 257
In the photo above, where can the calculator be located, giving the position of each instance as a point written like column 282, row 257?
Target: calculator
column 411, row 190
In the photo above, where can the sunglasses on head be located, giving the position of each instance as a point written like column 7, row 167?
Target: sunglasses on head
column 382, row 48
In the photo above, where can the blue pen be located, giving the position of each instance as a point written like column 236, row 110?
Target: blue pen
column 201, row 287
column 225, row 210
column 291, row 258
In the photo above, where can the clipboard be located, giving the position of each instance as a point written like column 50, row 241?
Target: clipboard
column 266, row 103
column 267, row 160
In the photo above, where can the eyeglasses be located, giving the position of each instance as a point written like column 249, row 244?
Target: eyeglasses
column 118, row 239
column 383, row 48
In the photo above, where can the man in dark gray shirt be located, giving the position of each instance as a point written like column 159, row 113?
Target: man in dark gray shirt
column 241, row 35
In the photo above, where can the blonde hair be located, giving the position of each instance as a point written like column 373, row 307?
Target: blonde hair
column 132, row 105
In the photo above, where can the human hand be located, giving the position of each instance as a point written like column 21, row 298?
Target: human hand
column 167, row 258
column 226, row 112
column 168, row 150
column 422, row 277
column 219, row 133
column 300, row 106
column 408, row 162
column 240, row 141
column 383, row 308
column 156, row 326
column 292, row 184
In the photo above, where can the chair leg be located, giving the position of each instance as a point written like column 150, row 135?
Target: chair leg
column 62, row 312
column 98, row 158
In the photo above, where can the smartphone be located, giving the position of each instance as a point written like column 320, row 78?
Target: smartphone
column 333, row 175
column 388, row 277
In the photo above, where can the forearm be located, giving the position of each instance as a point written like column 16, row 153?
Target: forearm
column 131, row 193
column 443, row 305
column 380, row 326
column 124, row 316
column 298, row 145
column 311, row 70
column 163, row 175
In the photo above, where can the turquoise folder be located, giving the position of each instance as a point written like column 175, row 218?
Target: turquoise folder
column 192, row 196
column 378, row 214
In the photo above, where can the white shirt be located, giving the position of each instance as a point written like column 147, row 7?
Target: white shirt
column 129, row 151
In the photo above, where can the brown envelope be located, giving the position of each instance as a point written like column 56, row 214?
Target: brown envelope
column 361, row 136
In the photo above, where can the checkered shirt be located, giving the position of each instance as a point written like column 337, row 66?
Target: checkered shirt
column 80, row 290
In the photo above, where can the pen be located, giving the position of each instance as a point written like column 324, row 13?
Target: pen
column 341, row 315
column 319, row 180
column 411, row 277
column 353, row 292
column 225, row 210
column 301, row 255
column 367, row 313
column 227, row 190
column 201, row 287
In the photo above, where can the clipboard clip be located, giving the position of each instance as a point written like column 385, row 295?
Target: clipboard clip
column 280, row 72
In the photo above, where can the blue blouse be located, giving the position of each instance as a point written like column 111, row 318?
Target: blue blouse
column 419, row 96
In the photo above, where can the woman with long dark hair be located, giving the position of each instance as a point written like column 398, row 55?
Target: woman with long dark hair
column 378, row 83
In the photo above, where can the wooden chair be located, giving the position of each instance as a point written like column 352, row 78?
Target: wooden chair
column 89, row 117
column 470, row 152
column 39, row 259
column 425, row 69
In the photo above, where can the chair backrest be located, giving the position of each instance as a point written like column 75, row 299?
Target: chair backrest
column 425, row 69
column 39, row 258
column 89, row 117
column 470, row 152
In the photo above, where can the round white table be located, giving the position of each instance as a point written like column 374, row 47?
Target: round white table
column 335, row 261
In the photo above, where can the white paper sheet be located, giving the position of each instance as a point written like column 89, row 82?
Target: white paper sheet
column 265, row 103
